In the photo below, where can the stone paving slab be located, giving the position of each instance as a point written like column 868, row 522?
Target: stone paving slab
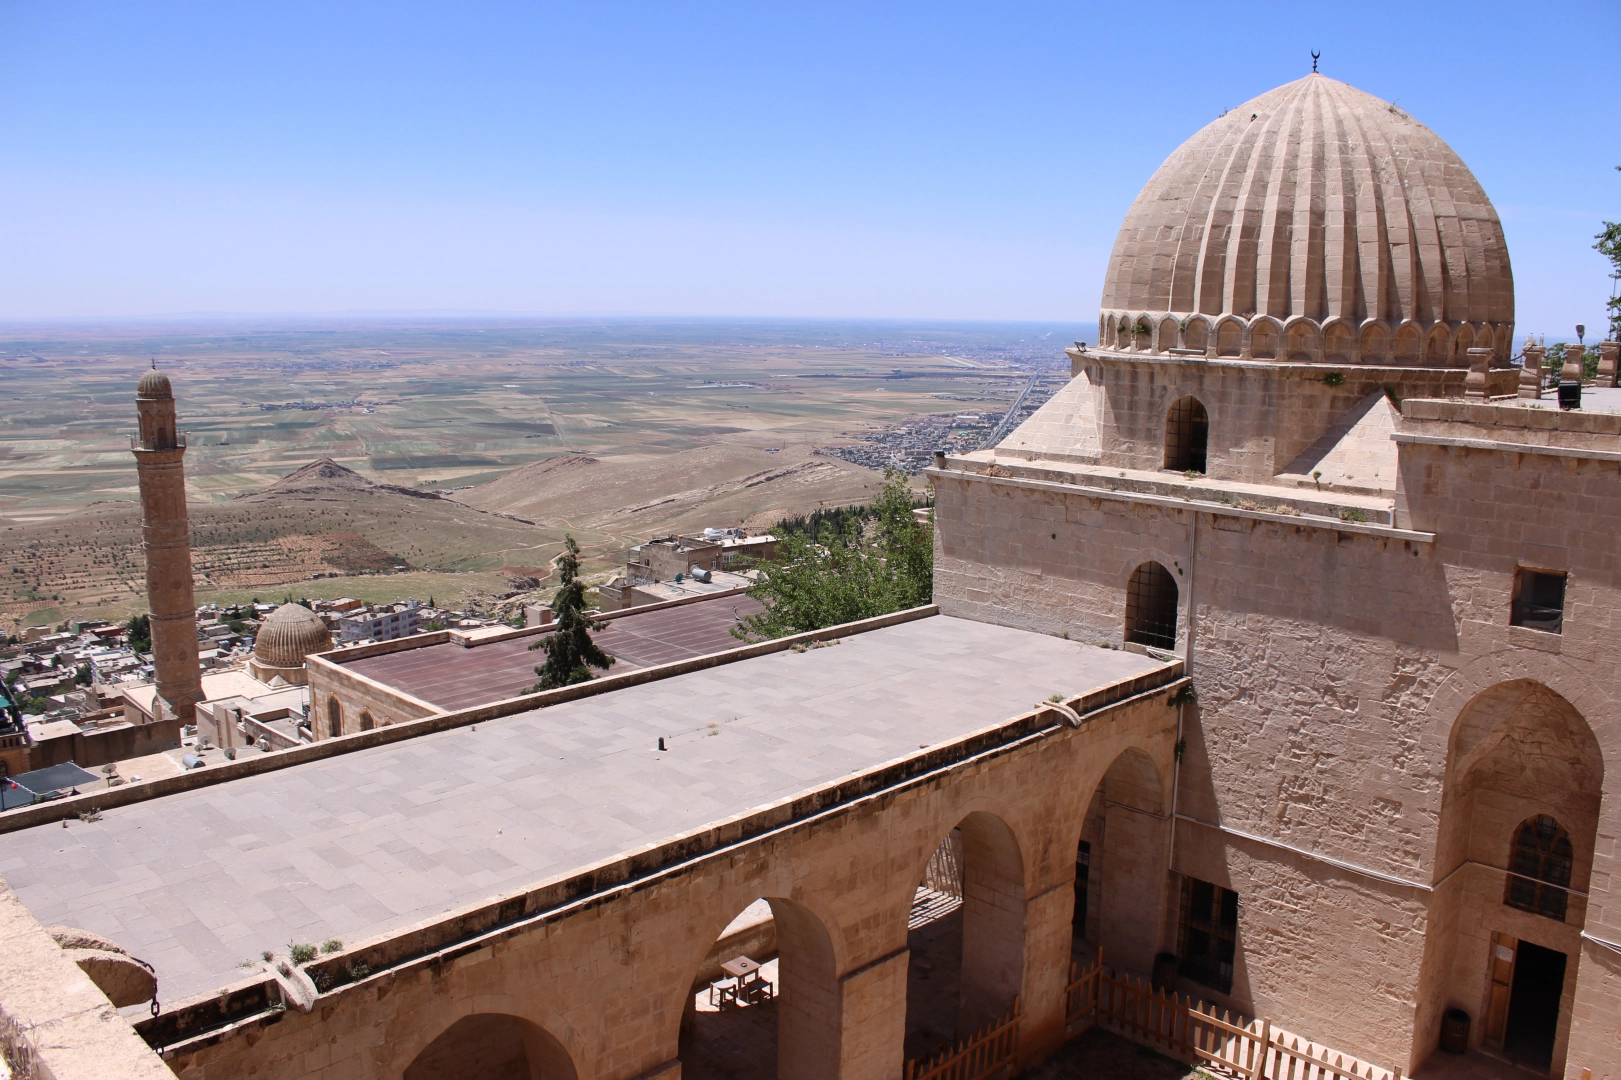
column 361, row 844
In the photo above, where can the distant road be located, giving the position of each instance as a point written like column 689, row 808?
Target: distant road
column 1012, row 414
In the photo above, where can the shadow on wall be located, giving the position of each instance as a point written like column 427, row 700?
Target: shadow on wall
column 492, row 1046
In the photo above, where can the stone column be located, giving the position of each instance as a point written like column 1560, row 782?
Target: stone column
column 1572, row 371
column 1048, row 930
column 166, row 535
column 872, row 1002
column 1608, row 370
column 1531, row 373
column 1474, row 384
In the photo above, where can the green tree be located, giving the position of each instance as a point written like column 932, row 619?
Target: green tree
column 140, row 633
column 82, row 675
column 570, row 652
column 857, row 567
column 1608, row 244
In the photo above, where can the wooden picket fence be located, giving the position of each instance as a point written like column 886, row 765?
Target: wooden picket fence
column 992, row 1051
column 1194, row 1032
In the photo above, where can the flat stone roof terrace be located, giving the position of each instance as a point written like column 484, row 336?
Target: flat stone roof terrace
column 369, row 842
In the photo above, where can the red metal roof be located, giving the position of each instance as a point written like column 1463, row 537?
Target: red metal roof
column 453, row 677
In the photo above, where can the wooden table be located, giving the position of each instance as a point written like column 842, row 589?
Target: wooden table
column 747, row 987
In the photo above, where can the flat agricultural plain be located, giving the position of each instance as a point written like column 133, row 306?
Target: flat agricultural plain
column 612, row 430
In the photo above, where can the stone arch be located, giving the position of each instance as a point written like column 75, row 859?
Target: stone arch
column 1142, row 333
column 1502, row 341
column 1339, row 342
column 804, row 1001
column 1196, row 334
column 1151, row 606
column 1302, row 343
column 1168, row 334
column 366, row 721
column 1123, row 837
column 1230, row 337
column 1105, row 329
column 1122, row 331
column 1187, row 435
column 477, row 1045
column 1462, row 342
column 334, row 718
column 1265, row 333
column 1408, row 343
column 1374, row 343
column 1518, row 750
column 983, row 939
column 1438, row 346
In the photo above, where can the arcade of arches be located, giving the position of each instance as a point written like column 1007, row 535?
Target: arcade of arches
column 866, row 967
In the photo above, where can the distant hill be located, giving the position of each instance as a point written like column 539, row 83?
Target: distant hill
column 326, row 478
column 639, row 496
column 322, row 520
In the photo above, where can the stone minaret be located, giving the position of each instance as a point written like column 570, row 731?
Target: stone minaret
column 158, row 451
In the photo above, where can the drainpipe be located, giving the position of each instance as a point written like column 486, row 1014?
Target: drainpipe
column 1187, row 670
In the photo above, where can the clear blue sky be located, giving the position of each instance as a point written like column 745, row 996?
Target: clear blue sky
column 929, row 160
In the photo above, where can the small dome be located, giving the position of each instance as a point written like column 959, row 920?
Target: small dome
column 1315, row 222
column 290, row 634
column 154, row 384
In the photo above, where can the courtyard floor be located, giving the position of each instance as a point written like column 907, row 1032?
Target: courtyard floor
column 1096, row 1054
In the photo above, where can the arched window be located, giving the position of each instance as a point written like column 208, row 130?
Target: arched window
column 1151, row 607
column 334, row 717
column 366, row 722
column 1187, row 436
column 1539, row 868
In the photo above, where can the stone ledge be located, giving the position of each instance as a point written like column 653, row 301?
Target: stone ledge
column 1215, row 509
column 1493, row 445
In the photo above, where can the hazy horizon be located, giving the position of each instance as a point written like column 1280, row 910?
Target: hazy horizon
column 827, row 162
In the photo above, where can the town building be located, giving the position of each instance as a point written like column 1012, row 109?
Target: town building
column 665, row 557
column 383, row 624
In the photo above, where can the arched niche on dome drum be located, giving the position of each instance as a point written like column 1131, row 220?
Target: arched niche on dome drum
column 1301, row 338
column 1339, row 343
column 1264, row 337
column 1462, row 343
column 1408, row 342
column 1142, row 334
column 1168, row 334
column 1502, row 341
column 1374, row 341
column 1229, row 337
column 1196, row 334
column 1437, row 348
column 1187, row 436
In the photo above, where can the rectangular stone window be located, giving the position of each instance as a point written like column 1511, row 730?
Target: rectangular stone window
column 1208, row 937
column 1539, row 600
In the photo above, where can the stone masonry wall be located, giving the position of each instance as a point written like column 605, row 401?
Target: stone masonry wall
column 1331, row 665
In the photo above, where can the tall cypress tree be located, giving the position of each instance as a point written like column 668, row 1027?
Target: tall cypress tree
column 570, row 652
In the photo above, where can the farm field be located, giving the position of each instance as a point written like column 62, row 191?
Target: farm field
column 611, row 430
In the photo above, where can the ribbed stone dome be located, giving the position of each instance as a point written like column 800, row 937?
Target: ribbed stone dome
column 290, row 634
column 1315, row 223
column 154, row 384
